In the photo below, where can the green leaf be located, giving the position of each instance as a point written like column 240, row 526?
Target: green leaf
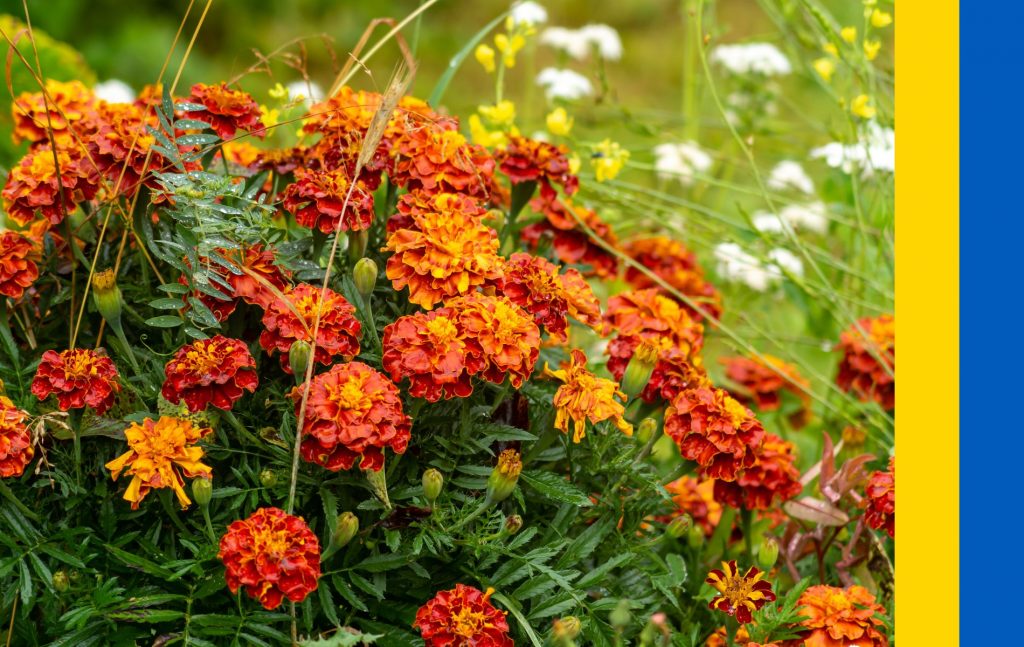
column 141, row 563
column 556, row 488
column 164, row 321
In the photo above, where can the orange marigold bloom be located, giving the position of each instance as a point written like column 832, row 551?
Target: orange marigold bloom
column 739, row 595
column 68, row 104
column 18, row 270
column 15, row 440
column 33, row 185
column 287, row 322
column 836, row 617
column 227, row 110
column 429, row 349
column 353, row 412
column 445, row 250
column 80, row 377
column 772, row 475
column 256, row 261
column 534, row 284
column 694, row 495
column 860, row 372
column 215, row 371
column 530, row 160
column 572, row 243
column 584, row 396
column 677, row 266
column 716, row 431
column 316, row 198
column 763, row 381
column 880, row 501
column 273, row 554
column 507, row 336
column 157, row 451
column 435, row 158
column 462, row 617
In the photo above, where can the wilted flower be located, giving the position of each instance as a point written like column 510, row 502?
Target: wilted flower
column 15, row 440
column 788, row 174
column 681, row 161
column 534, row 284
column 215, row 371
column 429, row 348
column 79, row 377
column 880, row 499
column 257, row 273
column 739, row 595
column 564, row 84
column 318, row 200
column 508, row 338
column 716, row 431
column 868, row 366
column 462, row 617
column 18, row 268
column 286, row 322
column 772, row 476
column 584, row 396
column 836, row 617
column 227, row 110
column 752, row 58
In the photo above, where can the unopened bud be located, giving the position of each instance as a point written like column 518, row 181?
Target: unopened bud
column 379, row 485
column 433, row 481
column 357, row 244
column 567, row 628
column 695, row 538
column 640, row 368
column 364, row 275
column 107, row 296
column 268, row 478
column 504, row 477
column 61, row 581
column 646, row 429
column 513, row 524
column 495, row 219
column 680, row 526
column 344, row 530
column 202, row 491
column 620, row 616
column 298, row 359
column 768, row 553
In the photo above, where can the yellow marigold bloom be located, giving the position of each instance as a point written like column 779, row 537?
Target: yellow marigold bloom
column 502, row 115
column 584, row 396
column 158, row 450
column 509, row 46
column 861, row 106
column 608, row 160
column 485, row 56
column 871, row 48
column 830, row 49
column 559, row 122
column 849, row 34
column 880, row 19
column 825, row 67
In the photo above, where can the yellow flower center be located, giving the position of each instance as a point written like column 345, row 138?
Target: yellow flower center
column 467, row 622
column 78, row 364
column 272, row 542
column 442, row 331
column 737, row 589
column 203, row 357
column 350, row 395
column 735, row 411
column 510, row 464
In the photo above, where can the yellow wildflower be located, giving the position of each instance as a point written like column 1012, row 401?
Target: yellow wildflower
column 502, row 115
column 559, row 122
column 825, row 67
column 485, row 56
column 483, row 136
column 880, row 19
column 849, row 34
column 861, row 106
column 508, row 46
column 830, row 49
column 278, row 91
column 871, row 48
column 269, row 117
column 608, row 160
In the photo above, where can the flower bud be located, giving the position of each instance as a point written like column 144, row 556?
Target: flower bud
column 620, row 616
column 268, row 478
column 768, row 553
column 202, row 491
column 357, row 244
column 379, row 485
column 640, row 367
column 61, row 581
column 513, row 524
column 645, row 430
column 107, row 295
column 495, row 219
column 504, row 477
column 432, row 484
column 344, row 530
column 567, row 628
column 695, row 538
column 680, row 526
column 364, row 275
column 298, row 359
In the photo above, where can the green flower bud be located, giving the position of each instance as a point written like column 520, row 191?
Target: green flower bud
column 107, row 296
column 364, row 275
column 61, row 581
column 202, row 491
column 680, row 526
column 513, row 524
column 344, row 530
column 268, row 478
column 621, row 616
column 695, row 538
column 298, row 359
column 357, row 241
column 645, row 430
column 504, row 477
column 379, row 484
column 768, row 553
column 432, row 484
column 639, row 370
column 495, row 219
column 566, row 629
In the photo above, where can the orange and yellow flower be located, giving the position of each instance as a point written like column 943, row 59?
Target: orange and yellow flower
column 574, row 232
column 868, row 366
column 273, row 554
column 462, row 617
column 256, row 261
column 530, row 160
column 15, row 440
column 215, row 371
column 227, row 110
column 880, row 499
column 739, row 595
column 836, row 617
column 534, row 284
column 65, row 105
column 584, row 396
column 33, row 185
column 79, row 377
column 677, row 266
column 773, row 475
column 18, row 269
column 430, row 349
column 161, row 454
column 716, row 431
column 353, row 412
column 318, row 201
column 694, row 495
column 436, row 158
column 508, row 338
column 287, row 322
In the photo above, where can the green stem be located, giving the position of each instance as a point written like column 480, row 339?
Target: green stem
column 209, row 524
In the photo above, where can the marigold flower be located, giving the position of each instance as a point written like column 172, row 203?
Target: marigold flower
column 59, row 111
column 568, row 224
column 765, row 380
column 716, row 431
column 286, row 322
column 15, row 440
column 507, row 336
column 462, row 617
column 694, row 495
column 33, row 185
column 215, row 371
column 868, row 366
column 880, row 501
column 79, row 377
column 273, row 554
column 353, row 412
column 227, row 110
column 534, row 284
column 157, row 451
column 773, row 475
column 584, row 396
column 677, row 266
column 836, row 617
column 429, row 349
column 530, row 160
column 256, row 261
column 441, row 248
column 739, row 595
column 436, row 158
column 18, row 269
column 317, row 200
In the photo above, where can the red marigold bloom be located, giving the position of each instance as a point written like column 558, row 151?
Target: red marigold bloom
column 860, row 371
column 507, row 336
column 462, row 617
column 677, row 266
column 316, row 198
column 288, row 322
column 80, row 377
column 772, row 475
column 445, row 250
column 880, row 501
column 227, row 110
column 256, row 270
column 215, row 371
column 533, row 283
column 573, row 244
column 739, row 595
column 584, row 396
column 18, row 270
column 763, row 381
column 435, row 158
column 33, row 185
column 716, row 431
column 353, row 412
column 694, row 495
column 15, row 440
column 836, row 617
column 273, row 554
column 68, row 104
column 429, row 349
column 529, row 160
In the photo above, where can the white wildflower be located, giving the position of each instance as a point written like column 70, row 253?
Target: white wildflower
column 605, row 39
column 875, row 151
column 528, row 13
column 788, row 174
column 114, row 91
column 579, row 43
column 564, row 84
column 812, row 217
column 736, row 265
column 752, row 58
column 787, row 260
column 680, row 161
column 306, row 92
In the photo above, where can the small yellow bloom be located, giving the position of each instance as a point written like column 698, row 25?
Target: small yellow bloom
column 270, row 118
column 825, row 67
column 482, row 136
column 574, row 163
column 278, row 91
column 849, row 34
column 508, row 46
column 871, row 48
column 501, row 115
column 861, row 106
column 559, row 122
column 608, row 160
column 485, row 56
column 830, row 49
column 880, row 19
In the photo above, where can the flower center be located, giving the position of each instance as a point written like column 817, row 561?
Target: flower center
column 203, row 358
column 78, row 364
column 350, row 395
column 271, row 541
column 467, row 622
column 735, row 411
column 442, row 331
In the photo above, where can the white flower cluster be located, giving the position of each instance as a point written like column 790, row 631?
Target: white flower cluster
column 114, row 91
column 736, row 265
column 812, row 217
column 579, row 43
column 564, row 84
column 788, row 174
column 306, row 92
column 528, row 13
column 680, row 161
column 874, row 152
column 752, row 58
